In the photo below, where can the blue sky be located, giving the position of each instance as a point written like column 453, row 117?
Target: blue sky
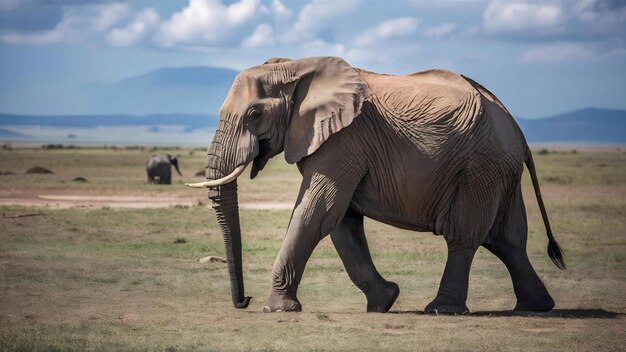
column 540, row 57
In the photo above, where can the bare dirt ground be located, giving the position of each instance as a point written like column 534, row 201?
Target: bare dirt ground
column 66, row 201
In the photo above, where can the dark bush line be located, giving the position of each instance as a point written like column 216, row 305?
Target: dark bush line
column 114, row 147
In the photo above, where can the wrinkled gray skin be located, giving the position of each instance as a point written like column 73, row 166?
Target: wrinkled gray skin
column 432, row 151
column 159, row 169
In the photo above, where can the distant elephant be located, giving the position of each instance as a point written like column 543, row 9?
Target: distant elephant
column 430, row 151
column 159, row 169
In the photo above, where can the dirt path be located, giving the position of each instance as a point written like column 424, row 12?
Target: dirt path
column 96, row 202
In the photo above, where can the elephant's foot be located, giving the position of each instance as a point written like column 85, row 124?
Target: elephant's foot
column 443, row 306
column 381, row 299
column 281, row 303
column 541, row 303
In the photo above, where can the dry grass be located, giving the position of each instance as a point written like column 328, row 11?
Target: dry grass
column 107, row 279
column 123, row 171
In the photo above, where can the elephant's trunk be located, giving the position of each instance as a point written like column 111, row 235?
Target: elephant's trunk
column 177, row 170
column 224, row 196
column 227, row 210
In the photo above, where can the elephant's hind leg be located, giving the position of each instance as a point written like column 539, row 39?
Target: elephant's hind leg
column 471, row 215
column 349, row 240
column 452, row 292
column 507, row 240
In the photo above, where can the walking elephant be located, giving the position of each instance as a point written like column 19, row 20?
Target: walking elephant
column 431, row 151
column 159, row 169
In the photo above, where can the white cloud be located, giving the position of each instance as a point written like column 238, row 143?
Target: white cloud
column 263, row 36
column 393, row 28
column 144, row 22
column 106, row 16
column 516, row 16
column 601, row 17
column 199, row 24
column 556, row 20
column 440, row 31
column 317, row 16
column 238, row 12
column 40, row 38
column 210, row 22
column 78, row 24
column 582, row 30
column 438, row 4
column 281, row 13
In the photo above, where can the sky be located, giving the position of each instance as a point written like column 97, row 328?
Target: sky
column 539, row 57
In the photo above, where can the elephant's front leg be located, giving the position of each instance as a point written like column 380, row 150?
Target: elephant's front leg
column 351, row 244
column 321, row 205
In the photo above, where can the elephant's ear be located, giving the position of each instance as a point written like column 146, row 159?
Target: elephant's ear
column 327, row 97
column 276, row 60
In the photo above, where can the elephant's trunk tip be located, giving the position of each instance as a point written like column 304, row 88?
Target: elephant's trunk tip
column 243, row 304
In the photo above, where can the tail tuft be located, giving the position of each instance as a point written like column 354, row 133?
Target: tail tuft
column 554, row 250
column 556, row 255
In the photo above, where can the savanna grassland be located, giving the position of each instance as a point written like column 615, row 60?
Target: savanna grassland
column 129, row 279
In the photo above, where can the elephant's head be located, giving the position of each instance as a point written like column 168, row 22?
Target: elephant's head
column 282, row 105
column 174, row 162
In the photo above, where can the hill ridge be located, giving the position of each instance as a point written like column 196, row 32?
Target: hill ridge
column 592, row 125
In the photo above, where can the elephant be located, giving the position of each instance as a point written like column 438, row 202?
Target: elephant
column 432, row 151
column 159, row 169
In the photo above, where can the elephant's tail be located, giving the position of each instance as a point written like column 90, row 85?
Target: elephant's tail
column 554, row 250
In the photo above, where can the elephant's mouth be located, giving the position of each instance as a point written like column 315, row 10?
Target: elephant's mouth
column 261, row 159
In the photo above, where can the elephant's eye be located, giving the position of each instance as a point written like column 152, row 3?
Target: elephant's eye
column 254, row 113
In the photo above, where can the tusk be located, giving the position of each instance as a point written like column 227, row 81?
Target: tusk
column 222, row 181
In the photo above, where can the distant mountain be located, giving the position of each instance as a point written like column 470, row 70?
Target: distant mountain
column 188, row 90
column 197, row 76
column 10, row 134
column 584, row 125
column 189, row 121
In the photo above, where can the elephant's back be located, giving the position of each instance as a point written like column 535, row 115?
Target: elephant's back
column 426, row 96
column 157, row 160
column 430, row 109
